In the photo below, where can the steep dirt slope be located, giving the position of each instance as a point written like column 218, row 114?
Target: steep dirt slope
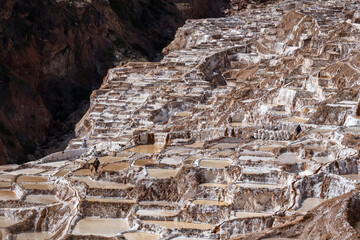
column 54, row 53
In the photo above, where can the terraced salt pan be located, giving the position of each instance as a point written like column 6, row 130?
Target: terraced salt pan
column 6, row 222
column 238, row 124
column 315, row 148
column 256, row 153
column 82, row 172
column 310, row 203
column 141, row 236
column 54, row 164
column 33, row 236
column 161, row 173
column 41, row 199
column 297, row 120
column 149, row 149
column 223, row 154
column 251, row 214
column 27, row 171
column 38, row 186
column 224, row 145
column 288, row 158
column 209, row 202
column 323, row 159
column 8, row 167
column 256, row 185
column 178, row 225
column 5, row 184
column 144, row 161
column 156, row 212
column 171, row 160
column 255, row 158
column 61, row 173
column 214, row 163
column 102, row 184
column 7, row 177
column 110, row 200
column 218, row 185
column 8, row 195
column 32, row 179
column 116, row 166
column 106, row 227
column 184, row 114
column 269, row 147
column 196, row 145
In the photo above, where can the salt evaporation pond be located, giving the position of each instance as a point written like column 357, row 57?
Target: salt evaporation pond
column 156, row 212
column 141, row 236
column 150, row 149
column 213, row 163
column 178, row 225
column 106, row 227
column 33, row 236
column 310, row 203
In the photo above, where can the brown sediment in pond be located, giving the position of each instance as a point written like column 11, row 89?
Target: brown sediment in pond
column 61, row 173
column 28, row 171
column 38, row 186
column 150, row 149
column 144, row 161
column 116, row 166
column 31, row 179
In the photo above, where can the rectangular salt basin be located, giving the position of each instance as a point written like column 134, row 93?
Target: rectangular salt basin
column 33, row 236
column 256, row 153
column 297, row 120
column 141, row 236
column 110, row 200
column 251, row 214
column 116, row 166
column 256, row 185
column 6, row 222
column 102, row 184
column 310, row 203
column 254, row 158
column 7, row 177
column 171, row 160
column 209, row 202
column 196, row 145
column 38, row 186
column 41, row 199
column 28, row 171
column 161, row 173
column 218, row 185
column 214, row 163
column 156, row 212
column 144, row 161
column 184, row 114
column 8, row 195
column 179, row 225
column 223, row 154
column 55, row 164
column 288, row 158
column 106, row 227
column 149, row 149
column 5, row 184
column 224, row 145
column 31, row 179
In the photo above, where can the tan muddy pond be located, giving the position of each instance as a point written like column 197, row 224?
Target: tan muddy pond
column 33, row 236
column 156, row 212
column 161, row 173
column 106, row 227
column 149, row 149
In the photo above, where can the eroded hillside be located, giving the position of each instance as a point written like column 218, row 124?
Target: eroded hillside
column 248, row 128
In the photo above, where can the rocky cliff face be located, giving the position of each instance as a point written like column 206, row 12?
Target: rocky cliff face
column 54, row 53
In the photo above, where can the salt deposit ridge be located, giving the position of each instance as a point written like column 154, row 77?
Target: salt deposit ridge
column 202, row 145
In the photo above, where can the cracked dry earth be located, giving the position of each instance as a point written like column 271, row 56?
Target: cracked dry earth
column 201, row 145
